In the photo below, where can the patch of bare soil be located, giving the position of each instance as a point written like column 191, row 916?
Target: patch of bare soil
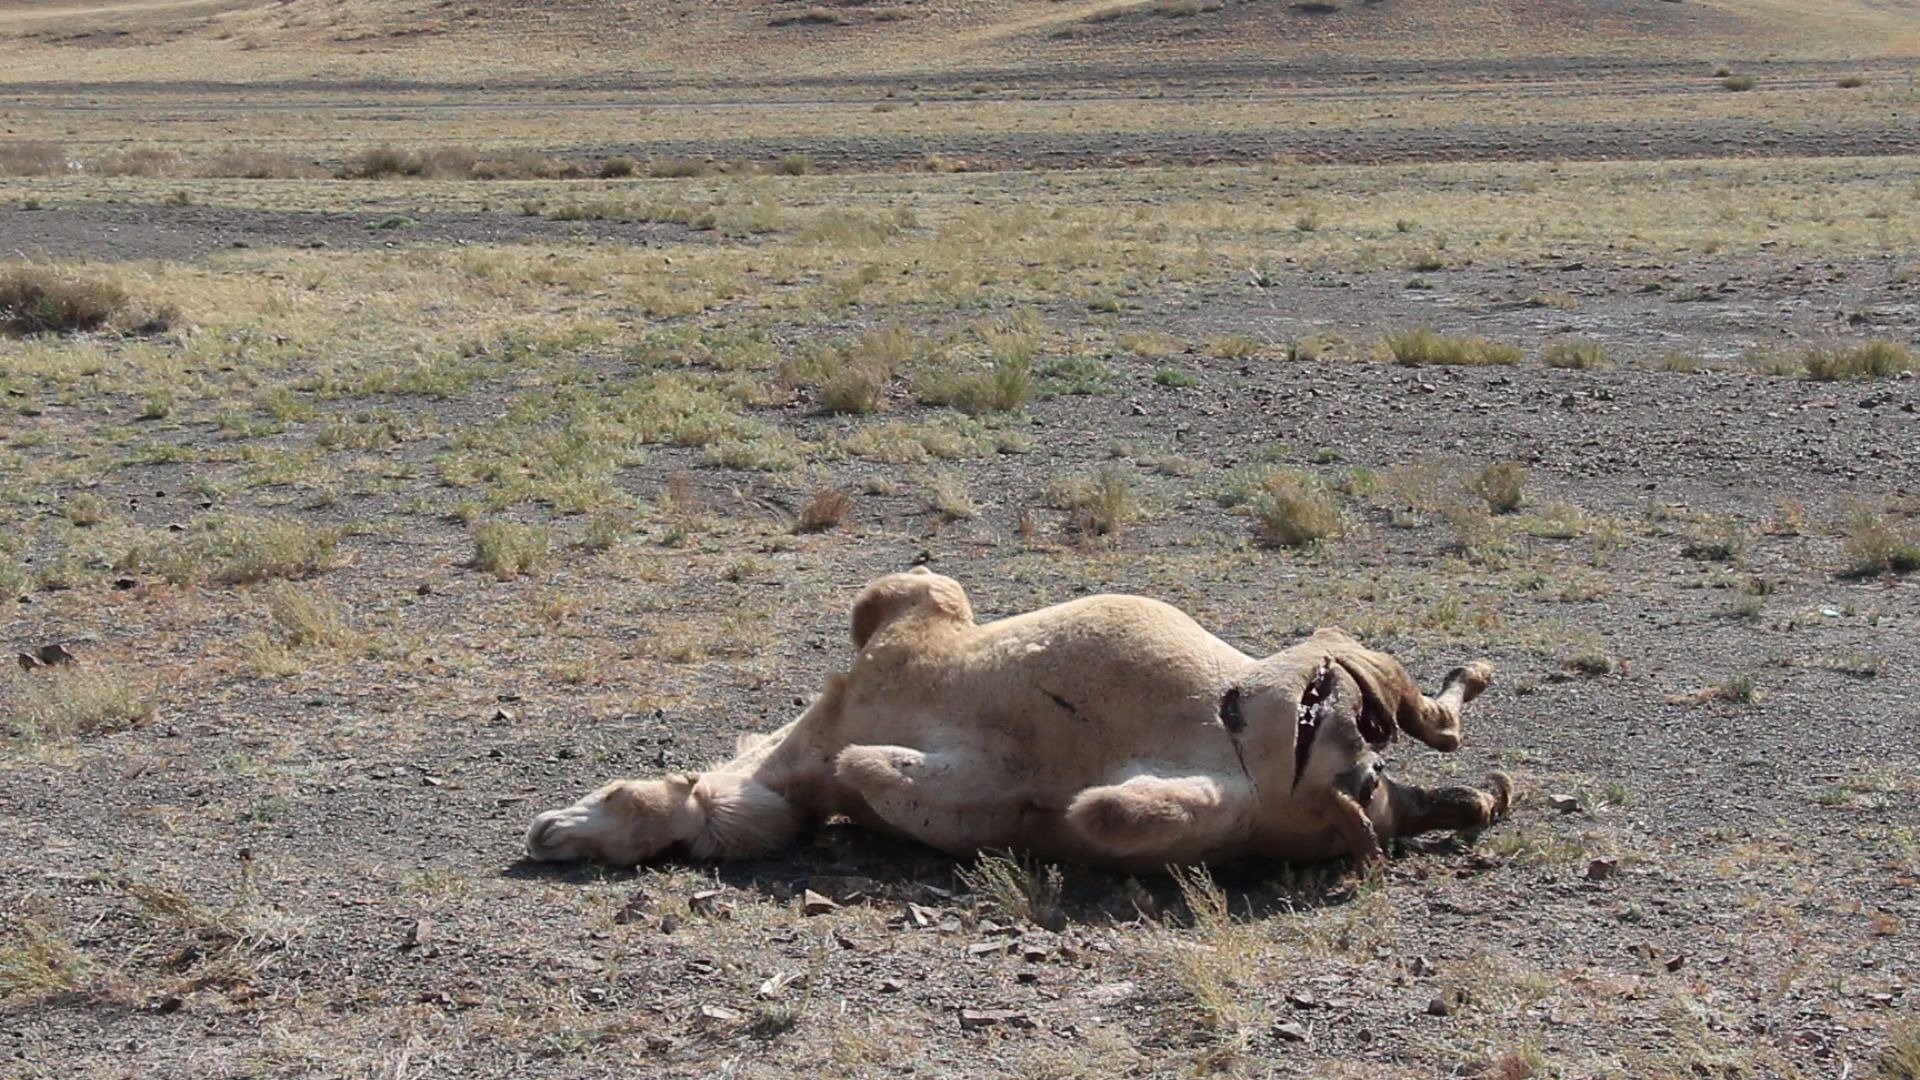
column 163, row 231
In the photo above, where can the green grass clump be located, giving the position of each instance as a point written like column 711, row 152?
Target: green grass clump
column 1584, row 354
column 1875, row 544
column 508, row 549
column 1872, row 360
column 1423, row 345
column 1004, row 386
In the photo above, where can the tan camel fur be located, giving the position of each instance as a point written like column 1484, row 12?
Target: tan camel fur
column 1110, row 730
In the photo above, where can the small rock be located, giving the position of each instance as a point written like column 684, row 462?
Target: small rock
column 419, row 933
column 638, row 906
column 812, row 903
column 1300, row 999
column 55, row 655
column 1602, row 869
column 982, row 948
column 1566, row 804
column 1420, row 966
column 776, row 985
column 502, row 716
column 1112, row 993
column 1290, row 1032
column 718, row 1014
column 1677, row 962
column 704, row 902
column 1439, row 1007
column 920, row 917
column 891, row 986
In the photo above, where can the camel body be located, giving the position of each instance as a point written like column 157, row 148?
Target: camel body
column 1111, row 730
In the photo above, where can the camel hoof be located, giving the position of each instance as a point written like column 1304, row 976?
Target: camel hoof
column 1473, row 678
column 1502, row 785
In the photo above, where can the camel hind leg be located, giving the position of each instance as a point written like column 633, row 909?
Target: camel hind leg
column 955, row 800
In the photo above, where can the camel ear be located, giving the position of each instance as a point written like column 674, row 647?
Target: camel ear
column 870, row 612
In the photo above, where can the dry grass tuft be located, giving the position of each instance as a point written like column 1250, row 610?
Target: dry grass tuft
column 854, row 378
column 47, row 300
column 244, row 550
column 30, row 158
column 948, row 494
column 70, row 700
column 1871, row 360
column 37, row 958
column 1102, row 504
column 1217, row 969
column 1502, row 485
column 828, row 509
column 1018, row 889
column 1292, row 508
column 195, row 945
column 1901, row 1059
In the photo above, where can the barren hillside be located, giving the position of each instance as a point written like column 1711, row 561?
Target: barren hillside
column 611, row 40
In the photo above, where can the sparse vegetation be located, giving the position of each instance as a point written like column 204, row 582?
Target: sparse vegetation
column 77, row 699
column 1584, row 354
column 1422, row 345
column 51, row 300
column 685, row 362
column 1502, row 484
column 37, row 958
column 510, row 549
column 1293, row 508
column 827, row 509
column 1872, row 360
column 1877, row 543
column 1101, row 503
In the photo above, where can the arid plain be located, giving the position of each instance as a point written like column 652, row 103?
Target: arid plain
column 412, row 415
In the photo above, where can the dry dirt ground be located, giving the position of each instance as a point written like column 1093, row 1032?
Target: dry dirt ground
column 384, row 513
